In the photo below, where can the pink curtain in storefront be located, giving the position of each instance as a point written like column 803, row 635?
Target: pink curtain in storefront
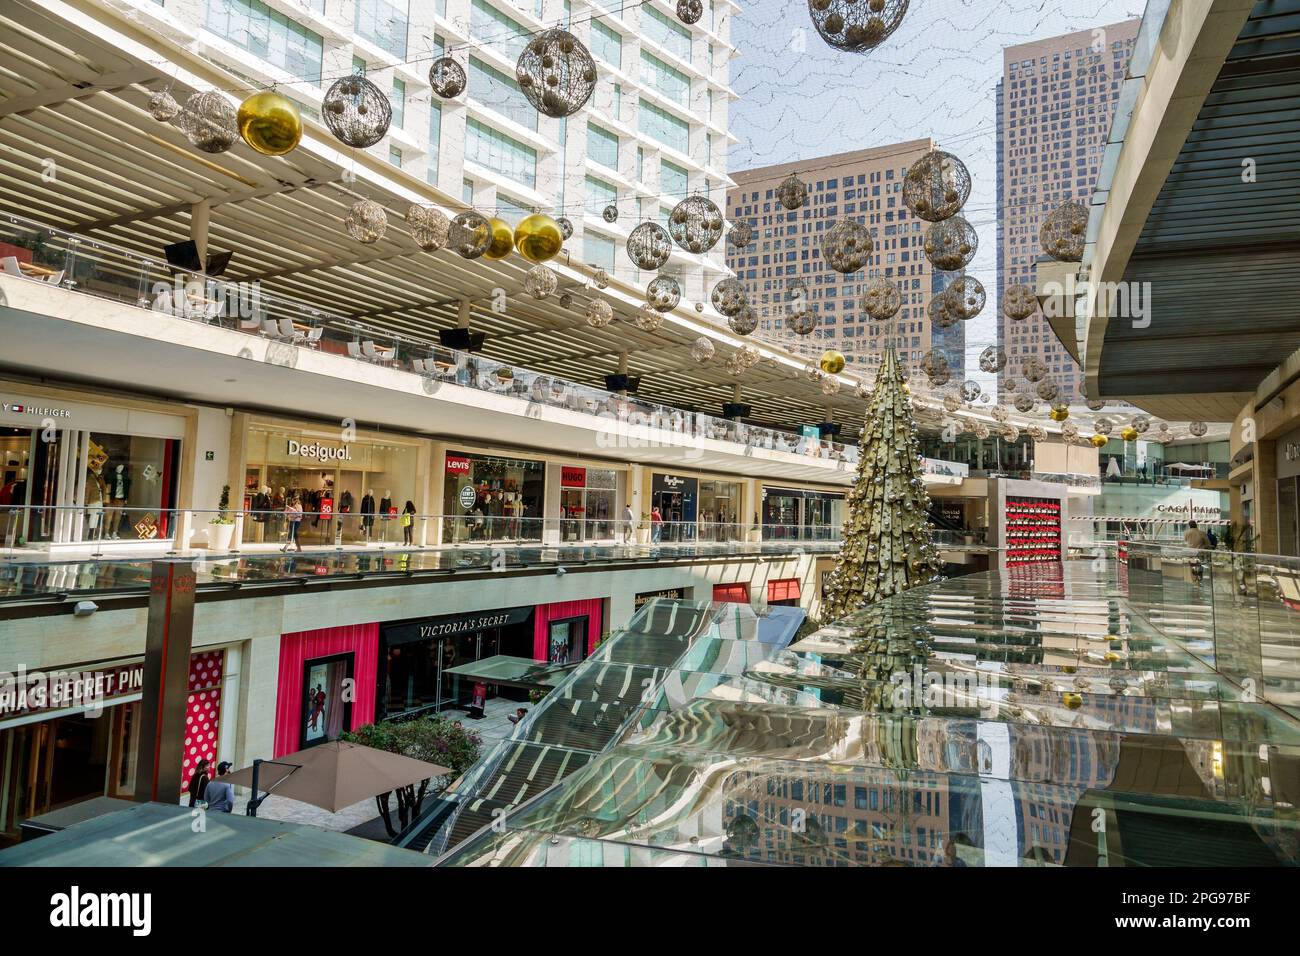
column 298, row 648
column 592, row 610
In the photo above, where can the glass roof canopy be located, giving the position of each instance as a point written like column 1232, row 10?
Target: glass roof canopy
column 985, row 721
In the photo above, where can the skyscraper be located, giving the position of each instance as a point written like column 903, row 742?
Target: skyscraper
column 865, row 185
column 1054, row 105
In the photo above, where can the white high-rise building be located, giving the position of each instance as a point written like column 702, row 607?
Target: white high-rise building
column 654, row 131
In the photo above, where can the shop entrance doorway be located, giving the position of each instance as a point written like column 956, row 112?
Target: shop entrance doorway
column 28, row 468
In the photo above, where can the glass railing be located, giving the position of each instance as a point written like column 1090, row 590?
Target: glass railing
column 1036, row 717
column 34, row 252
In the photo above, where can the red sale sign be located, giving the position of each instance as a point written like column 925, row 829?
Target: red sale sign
column 327, row 506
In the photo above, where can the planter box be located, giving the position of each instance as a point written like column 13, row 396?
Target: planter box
column 220, row 536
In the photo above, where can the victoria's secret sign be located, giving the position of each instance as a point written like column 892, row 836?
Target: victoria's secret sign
column 30, row 692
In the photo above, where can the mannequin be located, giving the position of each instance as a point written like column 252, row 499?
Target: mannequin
column 96, row 488
column 119, row 487
column 385, row 510
column 368, row 512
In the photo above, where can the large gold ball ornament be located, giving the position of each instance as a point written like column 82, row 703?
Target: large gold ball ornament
column 1059, row 413
column 1072, row 701
column 270, row 123
column 538, row 238
column 1099, row 440
column 503, row 239
column 1128, row 433
column 832, row 362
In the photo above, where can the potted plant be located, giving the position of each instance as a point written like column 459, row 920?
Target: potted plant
column 754, row 533
column 222, row 526
column 643, row 529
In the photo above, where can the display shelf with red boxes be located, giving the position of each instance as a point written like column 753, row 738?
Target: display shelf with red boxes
column 1033, row 530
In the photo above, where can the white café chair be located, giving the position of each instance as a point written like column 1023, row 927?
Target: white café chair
column 270, row 329
column 370, row 352
column 289, row 333
column 418, row 366
column 354, row 351
column 162, row 302
column 12, row 268
column 252, row 324
column 55, row 278
column 313, row 336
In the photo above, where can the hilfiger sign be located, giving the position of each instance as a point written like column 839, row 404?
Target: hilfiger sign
column 318, row 452
column 36, row 411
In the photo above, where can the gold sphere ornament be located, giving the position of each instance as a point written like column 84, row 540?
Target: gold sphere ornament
column 270, row 123
column 1099, row 440
column 1059, row 413
column 538, row 238
column 503, row 239
column 832, row 362
column 1128, row 433
column 1072, row 701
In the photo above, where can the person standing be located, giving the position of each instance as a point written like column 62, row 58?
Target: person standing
column 629, row 521
column 198, row 782
column 220, row 796
column 408, row 521
column 656, row 524
column 293, row 514
column 1194, row 537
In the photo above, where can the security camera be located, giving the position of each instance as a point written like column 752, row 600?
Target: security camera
column 561, row 571
column 85, row 608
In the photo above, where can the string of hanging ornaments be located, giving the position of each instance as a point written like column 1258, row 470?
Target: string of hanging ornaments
column 663, row 294
column 695, row 224
column 556, row 73
column 858, row 26
column 936, row 186
column 649, row 246
column 951, row 244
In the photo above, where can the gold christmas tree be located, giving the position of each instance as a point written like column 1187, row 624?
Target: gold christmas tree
column 887, row 543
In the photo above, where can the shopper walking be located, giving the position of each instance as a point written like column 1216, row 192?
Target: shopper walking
column 220, row 795
column 198, row 782
column 408, row 522
column 656, row 525
column 629, row 520
column 293, row 515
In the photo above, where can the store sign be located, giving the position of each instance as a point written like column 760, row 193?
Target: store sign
column 571, row 477
column 36, row 411
column 671, row 594
column 672, row 482
column 467, row 497
column 458, row 465
column 317, row 451
column 1182, row 510
column 27, row 693
column 452, row 625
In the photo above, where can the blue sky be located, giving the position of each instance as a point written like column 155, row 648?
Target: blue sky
column 936, row 76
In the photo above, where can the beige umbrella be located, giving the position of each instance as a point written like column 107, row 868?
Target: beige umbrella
column 332, row 775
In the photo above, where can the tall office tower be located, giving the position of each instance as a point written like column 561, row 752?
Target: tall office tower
column 1054, row 105
column 865, row 185
column 654, row 131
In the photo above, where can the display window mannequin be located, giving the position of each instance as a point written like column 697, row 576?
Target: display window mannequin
column 119, row 489
column 96, row 487
column 368, row 513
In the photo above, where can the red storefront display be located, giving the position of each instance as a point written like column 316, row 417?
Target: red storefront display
column 785, row 591
column 202, row 710
column 567, row 631
column 326, row 684
column 1033, row 530
column 731, row 593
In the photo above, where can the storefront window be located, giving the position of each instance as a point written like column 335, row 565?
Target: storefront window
column 326, row 710
column 587, row 503
column 676, row 497
column 130, row 486
column 719, row 518
column 351, row 491
column 801, row 514
column 489, row 497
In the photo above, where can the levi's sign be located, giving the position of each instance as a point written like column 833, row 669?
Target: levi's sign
column 319, row 452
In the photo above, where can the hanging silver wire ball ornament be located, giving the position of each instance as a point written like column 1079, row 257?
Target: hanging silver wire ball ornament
column 699, row 307
column 356, row 111
column 882, row 299
column 741, row 235
column 447, row 77
column 846, row 246
column 980, row 430
column 540, row 282
column 1198, row 429
column 1009, row 433
column 743, row 322
column 1024, row 404
column 649, row 246
column 862, row 390
column 1063, row 232
column 599, row 313
column 1070, row 431
column 1033, row 369
column 609, row 213
column 999, row 412
column 647, row 319
column 695, row 224
column 970, row 390
column 689, row 11
column 933, row 362
column 209, row 121
column 729, row 296
column 663, row 293
column 1141, row 424
column 1019, row 302
column 703, row 350
column 951, row 402
column 1036, row 432
column 566, row 300
column 830, row 385
column 749, row 356
column 796, row 291
column 366, row 222
column 471, row 235
column 792, row 193
column 936, row 186
column 943, row 314
column 430, row 228
column 162, row 106
column 993, row 359
column 801, row 321
column 566, row 227
column 556, row 73
column 941, row 377
column 966, row 296
column 600, row 279
column 1102, row 426
column 1095, row 404
column 858, row 26
column 1047, row 390
column 950, row 244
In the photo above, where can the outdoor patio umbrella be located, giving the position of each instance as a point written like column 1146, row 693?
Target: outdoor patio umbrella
column 333, row 775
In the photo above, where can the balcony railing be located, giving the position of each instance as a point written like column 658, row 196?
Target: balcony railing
column 89, row 266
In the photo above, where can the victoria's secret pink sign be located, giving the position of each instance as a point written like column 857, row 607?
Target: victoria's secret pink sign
column 31, row 692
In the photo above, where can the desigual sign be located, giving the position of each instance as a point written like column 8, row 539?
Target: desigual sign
column 318, row 452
